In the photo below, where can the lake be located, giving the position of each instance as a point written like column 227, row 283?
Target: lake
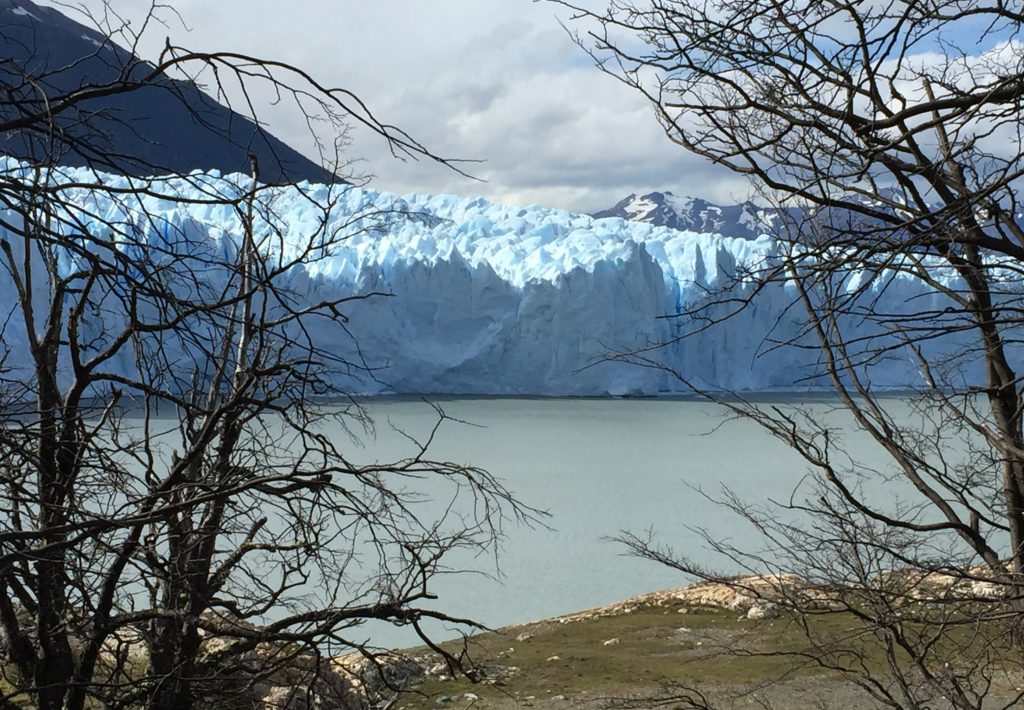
column 599, row 467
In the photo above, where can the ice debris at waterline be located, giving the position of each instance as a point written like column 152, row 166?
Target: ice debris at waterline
column 490, row 298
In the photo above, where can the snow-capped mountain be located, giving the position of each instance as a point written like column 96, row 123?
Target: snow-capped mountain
column 748, row 220
column 170, row 126
column 664, row 209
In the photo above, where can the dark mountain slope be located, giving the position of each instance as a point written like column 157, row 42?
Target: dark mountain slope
column 168, row 127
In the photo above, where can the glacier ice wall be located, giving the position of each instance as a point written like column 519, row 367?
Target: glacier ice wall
column 495, row 299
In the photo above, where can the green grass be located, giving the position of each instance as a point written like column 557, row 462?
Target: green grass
column 655, row 645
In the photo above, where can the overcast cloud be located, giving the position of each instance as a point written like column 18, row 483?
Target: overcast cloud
column 492, row 80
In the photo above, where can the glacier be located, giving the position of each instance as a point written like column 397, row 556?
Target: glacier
column 492, row 299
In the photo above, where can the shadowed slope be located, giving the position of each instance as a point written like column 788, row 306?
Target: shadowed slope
column 170, row 126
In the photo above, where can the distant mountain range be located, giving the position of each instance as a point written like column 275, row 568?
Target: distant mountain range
column 748, row 220
column 664, row 209
column 169, row 127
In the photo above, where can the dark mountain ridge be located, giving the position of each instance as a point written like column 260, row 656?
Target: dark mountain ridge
column 169, row 126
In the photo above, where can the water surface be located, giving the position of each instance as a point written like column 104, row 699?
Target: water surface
column 598, row 467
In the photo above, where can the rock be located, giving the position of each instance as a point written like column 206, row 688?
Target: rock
column 558, row 697
column 524, row 637
column 291, row 689
column 470, row 696
column 612, row 642
column 390, row 670
column 551, row 659
column 919, row 586
column 988, row 590
column 763, row 610
column 308, row 682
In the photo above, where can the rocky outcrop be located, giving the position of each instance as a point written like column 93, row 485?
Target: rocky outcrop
column 766, row 596
column 980, row 584
column 756, row 596
column 381, row 674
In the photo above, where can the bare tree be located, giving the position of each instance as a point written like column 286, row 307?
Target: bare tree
column 890, row 133
column 180, row 519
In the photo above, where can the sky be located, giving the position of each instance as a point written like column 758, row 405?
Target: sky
column 499, row 81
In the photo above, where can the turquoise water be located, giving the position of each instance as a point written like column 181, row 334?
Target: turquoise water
column 598, row 467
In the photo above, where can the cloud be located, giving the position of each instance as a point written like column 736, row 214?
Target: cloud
column 499, row 82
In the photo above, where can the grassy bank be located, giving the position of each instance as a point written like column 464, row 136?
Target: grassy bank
column 655, row 653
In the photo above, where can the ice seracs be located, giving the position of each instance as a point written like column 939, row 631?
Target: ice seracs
column 502, row 299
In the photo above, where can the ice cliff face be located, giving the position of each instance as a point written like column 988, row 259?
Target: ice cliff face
column 495, row 299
